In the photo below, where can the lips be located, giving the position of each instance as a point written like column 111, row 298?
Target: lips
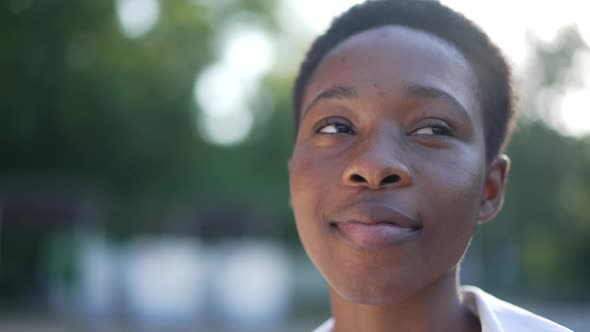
column 373, row 226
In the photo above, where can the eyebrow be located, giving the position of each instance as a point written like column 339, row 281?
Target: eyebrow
column 335, row 92
column 429, row 92
column 411, row 90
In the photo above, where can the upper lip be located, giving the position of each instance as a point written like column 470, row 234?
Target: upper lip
column 371, row 213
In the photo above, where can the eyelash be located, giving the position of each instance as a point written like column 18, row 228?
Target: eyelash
column 333, row 122
column 438, row 129
column 444, row 130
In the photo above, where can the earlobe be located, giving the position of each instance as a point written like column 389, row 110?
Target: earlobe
column 494, row 188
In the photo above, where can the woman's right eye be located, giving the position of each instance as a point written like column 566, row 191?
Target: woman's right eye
column 335, row 128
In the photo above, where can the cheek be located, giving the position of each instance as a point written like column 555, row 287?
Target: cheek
column 461, row 187
column 301, row 183
column 455, row 180
column 309, row 185
column 454, row 187
column 310, row 179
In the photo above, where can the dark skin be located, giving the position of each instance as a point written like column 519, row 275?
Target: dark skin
column 389, row 178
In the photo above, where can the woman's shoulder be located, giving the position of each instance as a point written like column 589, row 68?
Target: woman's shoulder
column 494, row 314
column 498, row 315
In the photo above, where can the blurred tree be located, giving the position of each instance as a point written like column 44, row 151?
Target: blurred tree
column 543, row 231
column 82, row 101
column 80, row 98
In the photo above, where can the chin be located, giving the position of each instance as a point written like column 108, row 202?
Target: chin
column 371, row 292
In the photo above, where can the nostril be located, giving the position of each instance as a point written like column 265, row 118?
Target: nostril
column 357, row 178
column 390, row 179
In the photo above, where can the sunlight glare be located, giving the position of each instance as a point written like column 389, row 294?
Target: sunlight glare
column 226, row 129
column 248, row 50
column 137, row 17
column 225, row 90
column 574, row 113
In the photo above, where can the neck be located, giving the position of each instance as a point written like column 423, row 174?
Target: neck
column 437, row 307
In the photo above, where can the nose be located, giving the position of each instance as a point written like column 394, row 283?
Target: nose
column 377, row 167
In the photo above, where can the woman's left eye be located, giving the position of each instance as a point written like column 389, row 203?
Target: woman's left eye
column 433, row 130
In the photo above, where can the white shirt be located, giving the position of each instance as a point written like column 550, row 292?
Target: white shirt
column 494, row 315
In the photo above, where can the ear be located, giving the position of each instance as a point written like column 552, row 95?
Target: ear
column 495, row 186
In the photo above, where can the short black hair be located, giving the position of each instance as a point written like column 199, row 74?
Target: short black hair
column 492, row 71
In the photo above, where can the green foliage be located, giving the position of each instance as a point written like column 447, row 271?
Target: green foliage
column 546, row 215
column 82, row 99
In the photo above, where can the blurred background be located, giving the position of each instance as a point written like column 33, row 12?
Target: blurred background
column 143, row 153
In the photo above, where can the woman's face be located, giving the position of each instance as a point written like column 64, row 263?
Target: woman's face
column 388, row 172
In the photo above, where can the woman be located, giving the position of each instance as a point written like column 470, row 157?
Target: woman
column 402, row 110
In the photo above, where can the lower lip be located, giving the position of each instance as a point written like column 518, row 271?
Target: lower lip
column 374, row 236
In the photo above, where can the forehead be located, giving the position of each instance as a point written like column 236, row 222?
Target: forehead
column 396, row 56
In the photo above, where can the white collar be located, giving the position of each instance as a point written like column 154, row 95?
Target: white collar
column 494, row 314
